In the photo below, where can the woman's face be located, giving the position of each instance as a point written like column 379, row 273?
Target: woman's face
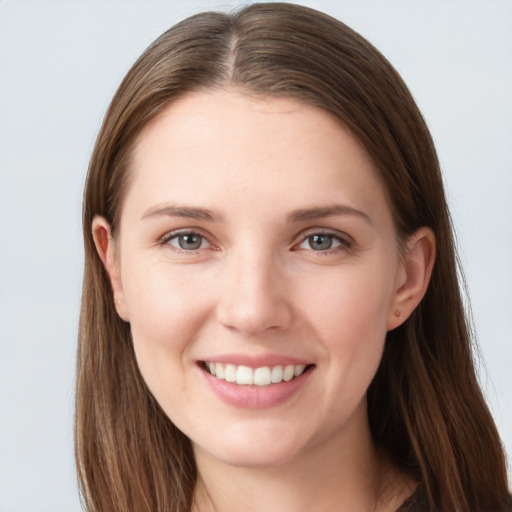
column 256, row 239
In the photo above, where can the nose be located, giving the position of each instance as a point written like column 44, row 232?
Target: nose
column 253, row 295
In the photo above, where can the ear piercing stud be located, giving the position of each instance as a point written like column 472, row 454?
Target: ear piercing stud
column 398, row 314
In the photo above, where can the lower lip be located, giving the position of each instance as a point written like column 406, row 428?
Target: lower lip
column 256, row 397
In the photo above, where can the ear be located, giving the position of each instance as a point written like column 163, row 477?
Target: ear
column 105, row 246
column 413, row 276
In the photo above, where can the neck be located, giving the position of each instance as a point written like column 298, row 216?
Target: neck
column 345, row 473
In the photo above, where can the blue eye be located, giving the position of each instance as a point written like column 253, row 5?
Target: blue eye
column 188, row 241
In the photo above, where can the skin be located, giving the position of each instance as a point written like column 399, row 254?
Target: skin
column 257, row 286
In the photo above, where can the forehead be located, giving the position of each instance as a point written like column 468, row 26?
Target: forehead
column 208, row 117
column 220, row 142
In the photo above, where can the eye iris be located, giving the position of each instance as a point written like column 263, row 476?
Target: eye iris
column 190, row 241
column 320, row 242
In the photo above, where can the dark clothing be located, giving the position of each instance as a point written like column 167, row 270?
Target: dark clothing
column 417, row 502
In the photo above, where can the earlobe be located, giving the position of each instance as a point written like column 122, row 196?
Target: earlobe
column 413, row 277
column 105, row 246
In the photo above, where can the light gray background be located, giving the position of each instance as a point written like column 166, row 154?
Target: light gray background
column 60, row 63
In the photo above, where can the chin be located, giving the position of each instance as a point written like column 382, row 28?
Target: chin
column 254, row 458
column 265, row 450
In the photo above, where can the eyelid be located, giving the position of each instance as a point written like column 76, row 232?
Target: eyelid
column 346, row 241
column 164, row 239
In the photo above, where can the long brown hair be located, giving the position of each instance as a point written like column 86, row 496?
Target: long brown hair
column 425, row 407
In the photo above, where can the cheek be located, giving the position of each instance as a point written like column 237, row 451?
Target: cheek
column 353, row 301
column 167, row 311
column 350, row 321
column 162, row 300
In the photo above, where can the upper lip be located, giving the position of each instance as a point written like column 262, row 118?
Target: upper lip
column 256, row 361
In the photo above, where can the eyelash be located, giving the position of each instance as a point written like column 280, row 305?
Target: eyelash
column 344, row 243
column 177, row 234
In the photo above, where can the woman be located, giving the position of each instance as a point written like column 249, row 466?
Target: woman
column 271, row 317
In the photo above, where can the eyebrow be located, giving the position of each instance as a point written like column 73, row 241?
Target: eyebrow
column 189, row 212
column 319, row 212
column 303, row 214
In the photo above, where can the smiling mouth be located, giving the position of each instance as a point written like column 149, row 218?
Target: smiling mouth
column 262, row 376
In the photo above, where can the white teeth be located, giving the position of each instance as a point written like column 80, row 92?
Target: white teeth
column 277, row 374
column 289, row 373
column 230, row 373
column 219, row 370
column 299, row 370
column 263, row 376
column 244, row 375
